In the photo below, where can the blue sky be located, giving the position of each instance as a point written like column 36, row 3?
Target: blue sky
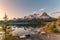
column 20, row 8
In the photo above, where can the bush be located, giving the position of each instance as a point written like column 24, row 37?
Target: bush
column 52, row 26
column 55, row 30
column 59, row 25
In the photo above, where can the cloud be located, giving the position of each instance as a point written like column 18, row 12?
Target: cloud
column 37, row 11
column 42, row 9
column 58, row 11
column 54, row 12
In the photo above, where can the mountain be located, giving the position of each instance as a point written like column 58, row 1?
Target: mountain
column 31, row 16
column 44, row 15
column 37, row 17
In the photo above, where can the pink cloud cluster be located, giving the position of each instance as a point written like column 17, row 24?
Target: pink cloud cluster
column 54, row 12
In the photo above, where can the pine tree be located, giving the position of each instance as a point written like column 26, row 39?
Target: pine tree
column 7, row 29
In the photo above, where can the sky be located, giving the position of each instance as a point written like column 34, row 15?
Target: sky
column 21, row 8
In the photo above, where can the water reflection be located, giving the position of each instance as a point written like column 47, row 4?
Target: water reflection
column 28, row 25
